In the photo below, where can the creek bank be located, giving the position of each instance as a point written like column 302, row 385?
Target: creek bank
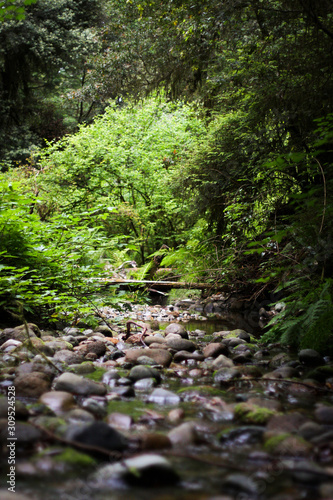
column 214, row 413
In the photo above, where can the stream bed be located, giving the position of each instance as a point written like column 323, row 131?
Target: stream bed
column 196, row 409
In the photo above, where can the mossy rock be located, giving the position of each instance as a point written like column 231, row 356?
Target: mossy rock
column 70, row 456
column 202, row 389
column 253, row 414
column 96, row 375
column 287, row 444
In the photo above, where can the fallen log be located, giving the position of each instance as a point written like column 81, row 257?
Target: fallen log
column 164, row 285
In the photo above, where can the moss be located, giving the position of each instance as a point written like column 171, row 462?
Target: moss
column 203, row 389
column 97, row 375
column 134, row 408
column 70, row 456
column 274, row 441
column 253, row 414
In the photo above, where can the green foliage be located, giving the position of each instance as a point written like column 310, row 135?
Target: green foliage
column 121, row 170
column 307, row 320
column 48, row 267
column 42, row 56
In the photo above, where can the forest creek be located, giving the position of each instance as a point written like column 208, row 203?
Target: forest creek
column 195, row 408
column 166, row 249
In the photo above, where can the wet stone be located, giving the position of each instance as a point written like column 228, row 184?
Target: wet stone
column 32, row 385
column 240, row 483
column 310, row 357
column 68, row 357
column 290, row 422
column 140, row 372
column 246, row 434
column 180, row 344
column 83, row 368
column 154, row 339
column 183, row 435
column 215, row 349
column 79, row 415
column 324, row 414
column 110, row 378
column 69, row 382
column 176, row 328
column 159, row 356
column 144, row 470
column 120, row 421
column 164, row 397
column 58, row 401
column 126, row 391
column 145, row 384
column 101, row 435
column 186, row 355
column 222, row 362
column 95, row 406
column 226, row 375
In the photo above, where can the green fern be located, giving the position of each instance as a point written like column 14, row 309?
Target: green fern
column 307, row 321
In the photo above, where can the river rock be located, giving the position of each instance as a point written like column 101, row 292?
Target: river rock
column 144, row 470
column 184, row 434
column 176, row 328
column 32, row 385
column 145, row 384
column 8, row 495
column 215, row 349
column 154, row 339
column 68, row 357
column 19, row 333
column 186, row 355
column 226, row 375
column 160, row 356
column 289, row 422
column 101, row 435
column 288, row 445
column 69, row 382
column 246, row 434
column 96, row 406
column 241, row 483
column 83, row 368
column 27, row 435
column 59, row 345
column 21, row 411
column 58, row 401
column 310, row 357
column 180, row 344
column 222, row 362
column 140, row 372
column 164, row 397
column 154, row 441
column 78, row 415
column 97, row 347
column 37, row 366
column 120, row 421
column 324, row 414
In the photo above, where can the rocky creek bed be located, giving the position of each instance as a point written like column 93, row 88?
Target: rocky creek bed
column 203, row 413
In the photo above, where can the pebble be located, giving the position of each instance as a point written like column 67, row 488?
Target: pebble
column 69, row 382
column 58, row 401
column 144, row 470
column 164, row 397
column 184, row 434
column 100, row 435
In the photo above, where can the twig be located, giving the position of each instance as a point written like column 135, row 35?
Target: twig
column 128, row 330
column 76, row 444
column 284, row 381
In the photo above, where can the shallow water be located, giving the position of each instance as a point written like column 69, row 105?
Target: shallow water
column 202, row 468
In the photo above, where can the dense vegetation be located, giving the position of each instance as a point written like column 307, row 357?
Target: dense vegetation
column 214, row 137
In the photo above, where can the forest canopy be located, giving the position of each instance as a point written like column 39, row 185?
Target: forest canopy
column 206, row 126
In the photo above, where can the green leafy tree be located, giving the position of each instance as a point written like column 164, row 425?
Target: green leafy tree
column 43, row 53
